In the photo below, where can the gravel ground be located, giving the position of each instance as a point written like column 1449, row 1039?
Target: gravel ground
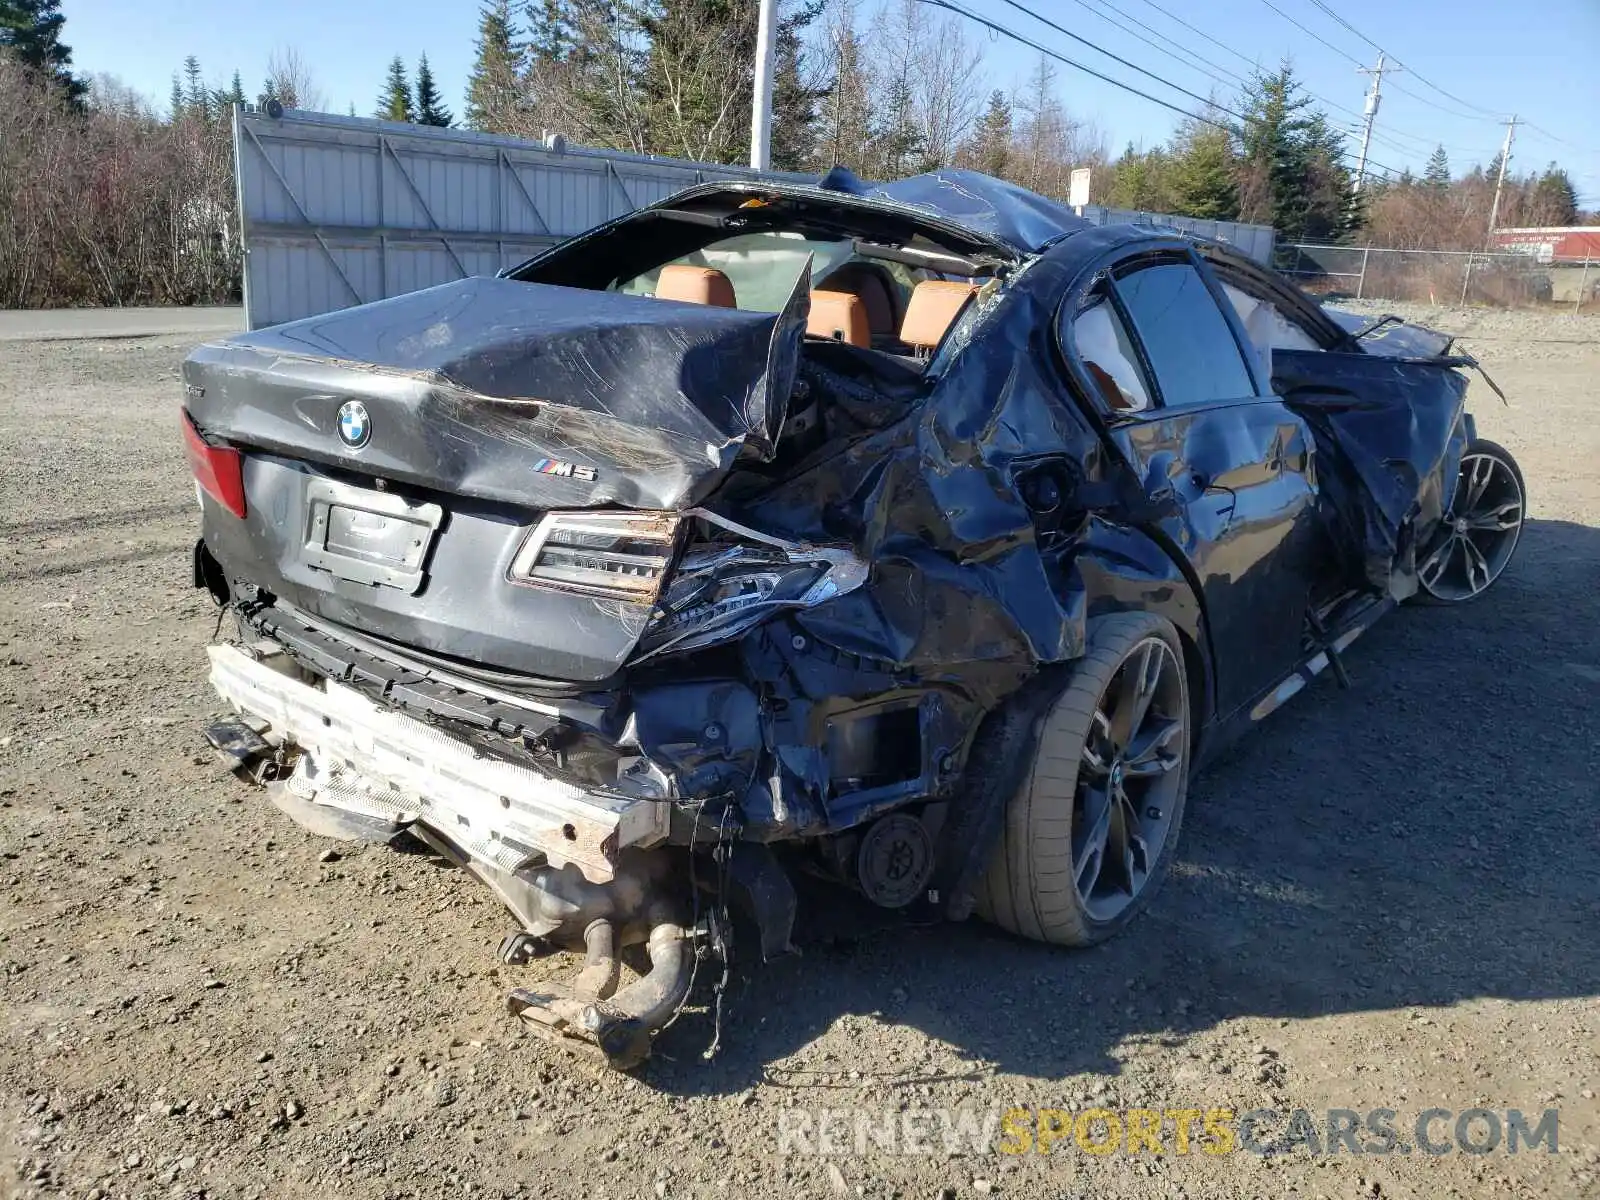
column 1385, row 898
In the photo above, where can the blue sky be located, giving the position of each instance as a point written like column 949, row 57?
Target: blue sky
column 1540, row 60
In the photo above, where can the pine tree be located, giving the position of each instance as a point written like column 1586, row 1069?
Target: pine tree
column 394, row 102
column 1274, row 154
column 794, row 104
column 31, row 29
column 196, row 98
column 1437, row 173
column 176, row 101
column 898, row 139
column 1202, row 173
column 235, row 93
column 550, row 31
column 1328, row 184
column 492, row 87
column 1142, row 180
column 990, row 150
column 429, row 110
column 1554, row 200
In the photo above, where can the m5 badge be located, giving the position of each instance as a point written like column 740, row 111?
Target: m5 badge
column 554, row 466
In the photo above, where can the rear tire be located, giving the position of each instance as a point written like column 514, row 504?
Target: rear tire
column 1109, row 778
column 1479, row 533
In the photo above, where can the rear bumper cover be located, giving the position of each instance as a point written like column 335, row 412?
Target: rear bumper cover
column 379, row 765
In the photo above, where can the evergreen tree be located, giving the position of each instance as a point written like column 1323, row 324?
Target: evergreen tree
column 1202, row 173
column 1329, row 184
column 990, row 151
column 1142, row 180
column 268, row 93
column 429, row 110
column 794, row 104
column 1274, row 154
column 550, row 31
column 235, row 92
column 176, row 101
column 196, row 98
column 898, row 139
column 492, row 87
column 31, row 29
column 1555, row 200
column 1437, row 173
column 394, row 102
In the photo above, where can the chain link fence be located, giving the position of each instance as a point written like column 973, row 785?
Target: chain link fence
column 1442, row 276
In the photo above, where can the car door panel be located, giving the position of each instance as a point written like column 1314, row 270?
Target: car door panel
column 1229, row 464
column 1242, row 476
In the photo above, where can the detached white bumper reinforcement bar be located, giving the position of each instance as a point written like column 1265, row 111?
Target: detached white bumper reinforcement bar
column 384, row 767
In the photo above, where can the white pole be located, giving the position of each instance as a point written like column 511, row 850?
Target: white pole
column 761, row 102
column 1374, row 98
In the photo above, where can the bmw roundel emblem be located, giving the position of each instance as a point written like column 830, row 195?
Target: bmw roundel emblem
column 355, row 428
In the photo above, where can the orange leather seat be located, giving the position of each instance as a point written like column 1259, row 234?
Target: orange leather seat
column 695, row 285
column 866, row 282
column 935, row 304
column 839, row 316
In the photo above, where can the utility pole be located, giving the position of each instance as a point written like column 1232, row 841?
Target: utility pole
column 761, row 102
column 1370, row 114
column 1500, row 179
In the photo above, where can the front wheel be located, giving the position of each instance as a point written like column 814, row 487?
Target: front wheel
column 1087, row 839
column 1479, row 533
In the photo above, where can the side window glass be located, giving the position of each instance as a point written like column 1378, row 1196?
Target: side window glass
column 1107, row 351
column 1266, row 326
column 1186, row 337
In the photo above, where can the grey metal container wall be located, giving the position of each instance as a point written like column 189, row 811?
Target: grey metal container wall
column 336, row 211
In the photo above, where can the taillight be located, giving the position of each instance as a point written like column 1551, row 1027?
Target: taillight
column 217, row 469
column 623, row 556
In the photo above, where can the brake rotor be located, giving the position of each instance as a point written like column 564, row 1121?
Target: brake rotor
column 895, row 860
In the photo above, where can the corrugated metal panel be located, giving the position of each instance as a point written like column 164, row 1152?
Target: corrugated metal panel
column 338, row 211
column 1256, row 241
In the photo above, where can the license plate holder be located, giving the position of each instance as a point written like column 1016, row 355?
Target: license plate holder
column 368, row 537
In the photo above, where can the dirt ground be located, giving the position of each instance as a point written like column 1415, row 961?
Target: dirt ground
column 1386, row 898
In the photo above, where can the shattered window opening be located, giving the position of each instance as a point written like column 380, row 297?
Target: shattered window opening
column 1108, row 354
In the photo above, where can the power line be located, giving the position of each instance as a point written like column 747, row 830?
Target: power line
column 996, row 27
column 1087, row 70
column 1314, row 35
column 1244, row 58
column 1490, row 114
column 1233, row 77
column 1043, row 20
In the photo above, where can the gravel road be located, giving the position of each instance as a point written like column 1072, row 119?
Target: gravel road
column 1386, row 898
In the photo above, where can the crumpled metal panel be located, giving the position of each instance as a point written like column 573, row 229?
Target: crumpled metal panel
column 470, row 386
column 1021, row 219
column 1390, row 433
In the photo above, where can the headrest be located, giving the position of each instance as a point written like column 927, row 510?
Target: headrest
column 840, row 316
column 935, row 304
column 695, row 285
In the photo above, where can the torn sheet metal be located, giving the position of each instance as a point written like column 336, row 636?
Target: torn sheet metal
column 475, row 388
column 1009, row 214
column 1389, row 436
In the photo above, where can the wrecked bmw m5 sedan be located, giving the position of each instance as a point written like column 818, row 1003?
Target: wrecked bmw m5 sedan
column 924, row 536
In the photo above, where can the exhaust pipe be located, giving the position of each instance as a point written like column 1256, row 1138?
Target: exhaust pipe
column 622, row 1023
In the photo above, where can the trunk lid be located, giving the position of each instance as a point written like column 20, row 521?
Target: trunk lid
column 489, row 387
column 398, row 457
